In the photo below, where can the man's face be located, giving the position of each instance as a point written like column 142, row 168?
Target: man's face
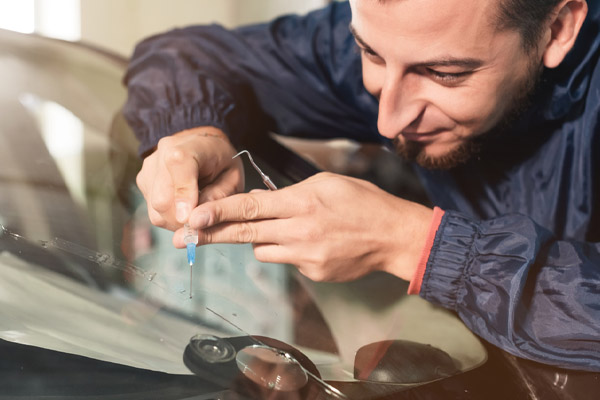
column 442, row 72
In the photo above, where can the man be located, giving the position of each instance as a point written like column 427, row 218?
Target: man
column 496, row 103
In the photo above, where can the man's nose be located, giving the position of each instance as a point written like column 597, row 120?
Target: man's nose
column 400, row 105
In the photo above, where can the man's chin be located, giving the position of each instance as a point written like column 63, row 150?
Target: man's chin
column 418, row 153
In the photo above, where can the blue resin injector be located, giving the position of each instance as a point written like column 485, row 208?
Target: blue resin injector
column 190, row 238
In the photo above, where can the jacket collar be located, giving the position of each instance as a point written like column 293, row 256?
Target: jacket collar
column 567, row 85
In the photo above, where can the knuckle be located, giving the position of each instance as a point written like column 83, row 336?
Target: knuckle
column 318, row 176
column 156, row 219
column 174, row 156
column 325, row 175
column 165, row 142
column 245, row 233
column 313, row 201
column 183, row 191
column 160, row 202
column 205, row 236
column 141, row 178
column 139, row 181
column 250, row 208
column 314, row 274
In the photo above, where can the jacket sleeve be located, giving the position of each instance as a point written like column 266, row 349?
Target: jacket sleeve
column 297, row 75
column 519, row 288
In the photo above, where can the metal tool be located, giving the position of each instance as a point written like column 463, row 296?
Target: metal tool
column 266, row 180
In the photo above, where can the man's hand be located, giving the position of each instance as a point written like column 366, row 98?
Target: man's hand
column 332, row 227
column 194, row 159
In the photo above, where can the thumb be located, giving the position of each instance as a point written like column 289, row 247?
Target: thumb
column 183, row 168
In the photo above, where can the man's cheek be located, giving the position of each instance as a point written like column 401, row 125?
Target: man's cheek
column 471, row 113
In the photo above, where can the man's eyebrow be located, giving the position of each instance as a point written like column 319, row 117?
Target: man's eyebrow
column 466, row 63
column 360, row 40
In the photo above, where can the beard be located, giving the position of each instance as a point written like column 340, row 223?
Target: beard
column 471, row 146
column 415, row 152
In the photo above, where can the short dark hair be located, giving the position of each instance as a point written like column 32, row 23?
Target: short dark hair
column 527, row 17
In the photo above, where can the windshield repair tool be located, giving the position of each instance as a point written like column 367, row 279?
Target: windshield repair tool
column 190, row 238
column 266, row 180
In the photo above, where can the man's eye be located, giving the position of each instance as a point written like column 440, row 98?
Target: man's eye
column 370, row 54
column 449, row 77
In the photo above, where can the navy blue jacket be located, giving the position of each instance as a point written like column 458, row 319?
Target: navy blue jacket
column 517, row 254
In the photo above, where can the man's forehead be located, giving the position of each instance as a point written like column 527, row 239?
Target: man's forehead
column 469, row 22
column 432, row 8
column 397, row 1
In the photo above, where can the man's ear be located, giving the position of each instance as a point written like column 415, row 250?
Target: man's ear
column 563, row 30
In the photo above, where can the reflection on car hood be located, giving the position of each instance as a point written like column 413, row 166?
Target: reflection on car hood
column 73, row 319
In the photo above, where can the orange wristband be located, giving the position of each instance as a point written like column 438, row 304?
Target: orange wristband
column 417, row 279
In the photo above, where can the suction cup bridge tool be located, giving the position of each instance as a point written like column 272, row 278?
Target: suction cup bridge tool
column 256, row 367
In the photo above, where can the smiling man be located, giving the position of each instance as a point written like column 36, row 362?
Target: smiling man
column 450, row 83
column 494, row 101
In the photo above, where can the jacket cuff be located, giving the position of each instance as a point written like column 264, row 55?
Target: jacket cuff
column 164, row 123
column 417, row 279
column 450, row 255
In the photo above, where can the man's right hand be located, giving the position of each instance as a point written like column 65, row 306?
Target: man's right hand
column 183, row 164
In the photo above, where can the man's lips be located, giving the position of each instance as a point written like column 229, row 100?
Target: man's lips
column 422, row 136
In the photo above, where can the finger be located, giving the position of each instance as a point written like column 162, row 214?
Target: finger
column 178, row 238
column 230, row 182
column 156, row 218
column 236, row 233
column 183, row 169
column 146, row 176
column 273, row 253
column 278, row 254
column 161, row 192
column 244, row 207
column 141, row 180
column 255, row 232
column 146, row 181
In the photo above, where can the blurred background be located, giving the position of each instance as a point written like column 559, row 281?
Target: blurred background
column 116, row 25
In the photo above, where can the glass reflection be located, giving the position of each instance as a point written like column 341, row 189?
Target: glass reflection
column 62, row 133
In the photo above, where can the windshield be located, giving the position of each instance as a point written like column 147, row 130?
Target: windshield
column 82, row 270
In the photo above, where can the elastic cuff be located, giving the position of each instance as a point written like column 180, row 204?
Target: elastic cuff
column 166, row 123
column 417, row 279
column 450, row 254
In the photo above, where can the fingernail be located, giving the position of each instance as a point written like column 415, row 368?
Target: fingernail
column 182, row 211
column 201, row 219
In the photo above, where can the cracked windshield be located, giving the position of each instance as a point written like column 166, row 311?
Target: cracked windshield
column 85, row 275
